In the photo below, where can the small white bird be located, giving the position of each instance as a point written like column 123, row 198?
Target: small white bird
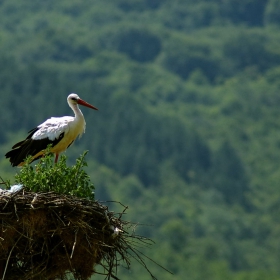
column 59, row 132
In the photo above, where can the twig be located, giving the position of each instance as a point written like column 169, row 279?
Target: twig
column 9, row 258
column 64, row 246
column 58, row 217
column 15, row 206
column 3, row 182
column 74, row 243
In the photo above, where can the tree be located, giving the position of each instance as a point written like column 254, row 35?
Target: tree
column 272, row 12
column 229, row 175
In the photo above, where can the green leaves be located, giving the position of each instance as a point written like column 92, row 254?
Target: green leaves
column 60, row 178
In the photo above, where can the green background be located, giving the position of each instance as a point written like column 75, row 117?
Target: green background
column 188, row 129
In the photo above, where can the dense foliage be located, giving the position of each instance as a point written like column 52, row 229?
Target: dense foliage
column 46, row 176
column 187, row 133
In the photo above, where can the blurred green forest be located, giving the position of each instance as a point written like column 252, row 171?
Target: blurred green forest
column 188, row 128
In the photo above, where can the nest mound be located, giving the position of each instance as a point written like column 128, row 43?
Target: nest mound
column 48, row 236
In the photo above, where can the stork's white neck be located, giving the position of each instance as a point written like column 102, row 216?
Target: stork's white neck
column 78, row 113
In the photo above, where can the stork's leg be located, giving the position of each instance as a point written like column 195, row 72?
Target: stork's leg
column 56, row 158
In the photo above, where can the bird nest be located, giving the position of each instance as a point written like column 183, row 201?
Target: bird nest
column 49, row 236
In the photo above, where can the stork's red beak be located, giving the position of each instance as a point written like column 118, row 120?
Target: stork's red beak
column 84, row 103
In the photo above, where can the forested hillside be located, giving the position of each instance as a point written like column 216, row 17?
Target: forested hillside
column 188, row 128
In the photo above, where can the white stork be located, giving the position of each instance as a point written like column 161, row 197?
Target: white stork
column 59, row 132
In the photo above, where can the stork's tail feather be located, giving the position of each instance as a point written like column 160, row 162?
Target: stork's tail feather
column 18, row 155
column 12, row 155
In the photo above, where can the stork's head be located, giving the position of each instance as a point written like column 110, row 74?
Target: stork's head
column 74, row 99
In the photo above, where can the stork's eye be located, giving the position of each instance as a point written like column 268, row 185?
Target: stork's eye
column 74, row 98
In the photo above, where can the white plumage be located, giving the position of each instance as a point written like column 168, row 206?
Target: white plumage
column 53, row 127
column 60, row 132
